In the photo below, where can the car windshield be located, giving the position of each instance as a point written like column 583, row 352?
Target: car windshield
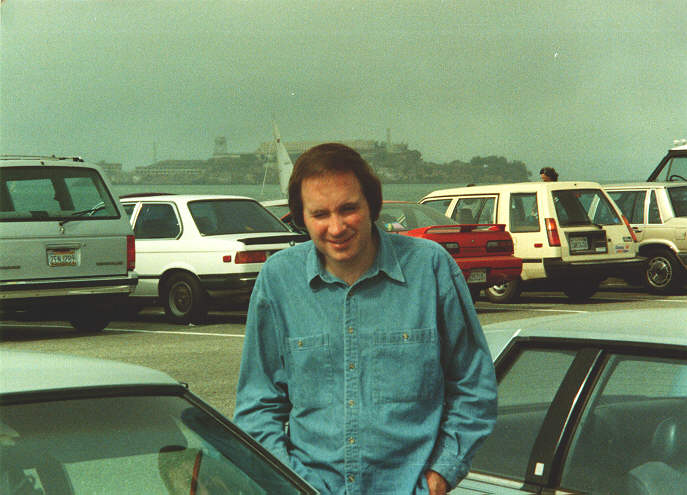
column 584, row 207
column 408, row 216
column 233, row 216
column 678, row 198
column 53, row 193
column 147, row 444
column 675, row 169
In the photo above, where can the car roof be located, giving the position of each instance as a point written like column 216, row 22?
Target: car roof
column 39, row 161
column 179, row 198
column 649, row 326
column 679, row 148
column 515, row 186
column 275, row 202
column 643, row 185
column 28, row 371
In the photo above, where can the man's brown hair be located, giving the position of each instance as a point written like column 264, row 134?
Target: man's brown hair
column 333, row 158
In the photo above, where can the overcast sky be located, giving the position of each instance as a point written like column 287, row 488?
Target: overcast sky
column 597, row 89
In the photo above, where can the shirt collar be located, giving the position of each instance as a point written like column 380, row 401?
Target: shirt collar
column 385, row 262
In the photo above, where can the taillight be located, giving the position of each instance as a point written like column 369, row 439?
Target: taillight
column 629, row 227
column 130, row 253
column 251, row 257
column 451, row 247
column 552, row 232
column 502, row 245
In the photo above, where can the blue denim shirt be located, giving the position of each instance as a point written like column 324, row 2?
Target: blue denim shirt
column 378, row 381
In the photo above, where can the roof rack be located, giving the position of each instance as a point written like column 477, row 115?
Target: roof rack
column 42, row 157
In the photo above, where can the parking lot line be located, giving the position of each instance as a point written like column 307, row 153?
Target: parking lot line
column 207, row 334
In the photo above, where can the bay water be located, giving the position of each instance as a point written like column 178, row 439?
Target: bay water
column 397, row 192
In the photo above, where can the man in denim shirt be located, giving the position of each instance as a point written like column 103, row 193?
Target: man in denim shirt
column 364, row 365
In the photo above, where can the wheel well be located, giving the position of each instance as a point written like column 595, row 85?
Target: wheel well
column 644, row 249
column 168, row 274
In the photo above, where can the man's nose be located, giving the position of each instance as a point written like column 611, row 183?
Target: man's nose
column 336, row 224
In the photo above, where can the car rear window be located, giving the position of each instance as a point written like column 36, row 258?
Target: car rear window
column 406, row 216
column 233, row 216
column 584, row 207
column 54, row 193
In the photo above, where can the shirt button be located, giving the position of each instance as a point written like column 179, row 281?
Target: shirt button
column 351, row 403
column 351, row 366
column 405, row 336
column 350, row 329
column 351, row 478
column 300, row 343
column 351, row 440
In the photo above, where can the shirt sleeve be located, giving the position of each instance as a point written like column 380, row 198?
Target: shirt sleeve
column 262, row 403
column 470, row 382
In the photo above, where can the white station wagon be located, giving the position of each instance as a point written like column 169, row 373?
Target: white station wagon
column 196, row 250
column 570, row 235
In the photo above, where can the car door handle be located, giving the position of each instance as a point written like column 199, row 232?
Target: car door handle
column 636, row 229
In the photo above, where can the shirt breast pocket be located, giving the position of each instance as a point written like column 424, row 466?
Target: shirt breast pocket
column 407, row 366
column 311, row 375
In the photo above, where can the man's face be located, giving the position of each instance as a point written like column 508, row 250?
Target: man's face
column 337, row 216
column 545, row 177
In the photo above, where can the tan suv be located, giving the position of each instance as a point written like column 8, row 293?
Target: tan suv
column 67, row 247
column 570, row 235
column 657, row 212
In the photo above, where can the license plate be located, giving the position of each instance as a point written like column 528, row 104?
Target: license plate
column 477, row 276
column 61, row 257
column 579, row 244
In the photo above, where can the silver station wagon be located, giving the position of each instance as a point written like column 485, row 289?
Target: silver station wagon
column 68, row 250
column 76, row 425
column 593, row 403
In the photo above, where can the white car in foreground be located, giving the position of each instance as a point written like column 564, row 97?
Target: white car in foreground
column 196, row 250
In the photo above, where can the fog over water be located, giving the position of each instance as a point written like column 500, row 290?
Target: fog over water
column 595, row 89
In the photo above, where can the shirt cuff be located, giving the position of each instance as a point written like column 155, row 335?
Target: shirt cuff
column 449, row 466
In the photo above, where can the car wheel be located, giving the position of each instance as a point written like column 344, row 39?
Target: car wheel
column 184, row 299
column 506, row 292
column 474, row 292
column 662, row 272
column 581, row 290
column 91, row 320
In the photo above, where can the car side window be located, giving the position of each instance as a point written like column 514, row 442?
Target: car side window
column 129, row 208
column 524, row 399
column 629, row 432
column 441, row 205
column 474, row 210
column 157, row 221
column 654, row 214
column 631, row 203
column 524, row 212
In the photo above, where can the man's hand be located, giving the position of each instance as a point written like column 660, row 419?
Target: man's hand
column 436, row 483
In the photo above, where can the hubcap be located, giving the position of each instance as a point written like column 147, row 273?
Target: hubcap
column 659, row 272
column 180, row 298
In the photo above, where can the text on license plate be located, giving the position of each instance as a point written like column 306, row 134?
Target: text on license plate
column 61, row 257
column 579, row 244
column 477, row 276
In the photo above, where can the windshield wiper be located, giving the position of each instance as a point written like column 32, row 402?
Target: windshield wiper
column 78, row 214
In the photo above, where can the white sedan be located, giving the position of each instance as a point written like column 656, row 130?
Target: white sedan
column 196, row 250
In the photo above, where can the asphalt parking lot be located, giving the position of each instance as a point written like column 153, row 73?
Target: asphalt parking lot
column 207, row 356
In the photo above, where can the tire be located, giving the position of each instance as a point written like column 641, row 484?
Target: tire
column 581, row 290
column 90, row 321
column 662, row 273
column 184, row 299
column 505, row 293
column 474, row 292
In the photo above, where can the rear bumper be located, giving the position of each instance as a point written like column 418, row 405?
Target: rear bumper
column 499, row 269
column 557, row 269
column 69, row 288
column 218, row 286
